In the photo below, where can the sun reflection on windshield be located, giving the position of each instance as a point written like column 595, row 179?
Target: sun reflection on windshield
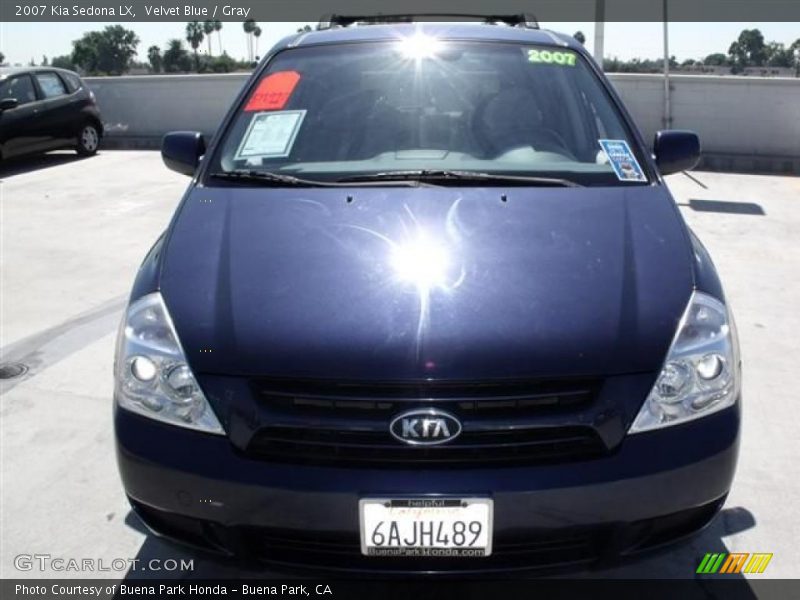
column 419, row 46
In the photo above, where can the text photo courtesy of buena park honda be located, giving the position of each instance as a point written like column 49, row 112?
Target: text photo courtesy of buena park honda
column 332, row 300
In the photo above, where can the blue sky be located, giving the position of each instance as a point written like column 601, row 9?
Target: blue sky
column 20, row 42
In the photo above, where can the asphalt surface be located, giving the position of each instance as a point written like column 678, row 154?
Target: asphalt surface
column 72, row 234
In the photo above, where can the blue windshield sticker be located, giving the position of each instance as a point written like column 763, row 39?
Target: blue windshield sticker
column 622, row 160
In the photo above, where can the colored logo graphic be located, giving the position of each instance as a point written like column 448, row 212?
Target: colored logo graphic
column 735, row 562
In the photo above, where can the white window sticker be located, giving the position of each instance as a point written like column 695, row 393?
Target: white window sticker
column 270, row 134
column 622, row 160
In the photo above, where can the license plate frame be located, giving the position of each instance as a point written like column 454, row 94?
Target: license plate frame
column 433, row 510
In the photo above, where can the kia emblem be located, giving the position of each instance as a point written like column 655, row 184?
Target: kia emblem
column 425, row 427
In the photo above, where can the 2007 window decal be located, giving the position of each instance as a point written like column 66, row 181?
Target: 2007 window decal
column 551, row 57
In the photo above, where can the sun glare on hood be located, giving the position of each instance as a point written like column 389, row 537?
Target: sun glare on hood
column 421, row 261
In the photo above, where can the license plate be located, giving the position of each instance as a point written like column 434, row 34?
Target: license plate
column 446, row 527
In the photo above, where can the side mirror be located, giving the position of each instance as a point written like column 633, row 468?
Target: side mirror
column 8, row 104
column 676, row 151
column 181, row 151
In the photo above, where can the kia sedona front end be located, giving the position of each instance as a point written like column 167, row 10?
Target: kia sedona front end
column 427, row 306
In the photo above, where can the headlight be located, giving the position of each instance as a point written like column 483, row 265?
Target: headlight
column 152, row 375
column 701, row 373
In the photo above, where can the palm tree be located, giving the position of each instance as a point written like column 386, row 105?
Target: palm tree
column 154, row 57
column 175, row 58
column 218, row 29
column 794, row 50
column 194, row 35
column 249, row 25
column 257, row 33
column 208, row 29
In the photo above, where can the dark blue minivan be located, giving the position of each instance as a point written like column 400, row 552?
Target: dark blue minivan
column 427, row 305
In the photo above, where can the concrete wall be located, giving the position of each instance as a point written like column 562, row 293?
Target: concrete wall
column 745, row 124
column 139, row 110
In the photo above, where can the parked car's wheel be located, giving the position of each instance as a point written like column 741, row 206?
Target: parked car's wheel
column 88, row 140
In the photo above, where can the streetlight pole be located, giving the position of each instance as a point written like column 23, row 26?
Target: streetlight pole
column 599, row 30
column 667, row 107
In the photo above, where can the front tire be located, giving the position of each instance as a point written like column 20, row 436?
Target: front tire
column 88, row 140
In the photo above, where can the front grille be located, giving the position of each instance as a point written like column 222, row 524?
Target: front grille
column 343, row 551
column 348, row 424
column 374, row 448
column 360, row 399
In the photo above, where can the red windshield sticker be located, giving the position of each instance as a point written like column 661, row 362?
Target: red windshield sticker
column 274, row 91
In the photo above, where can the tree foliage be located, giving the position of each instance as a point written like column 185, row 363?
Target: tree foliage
column 176, row 59
column 194, row 35
column 749, row 50
column 779, row 55
column 106, row 52
column 155, row 59
column 220, row 64
column 795, row 49
column 257, row 34
column 716, row 60
column 637, row 65
column 63, row 62
column 208, row 29
column 249, row 26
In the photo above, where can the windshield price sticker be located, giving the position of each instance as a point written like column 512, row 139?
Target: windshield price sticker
column 622, row 160
column 270, row 134
column 273, row 92
column 551, row 57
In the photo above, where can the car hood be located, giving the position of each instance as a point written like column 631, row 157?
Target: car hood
column 426, row 282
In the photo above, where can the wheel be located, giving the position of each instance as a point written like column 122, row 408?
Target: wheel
column 88, row 140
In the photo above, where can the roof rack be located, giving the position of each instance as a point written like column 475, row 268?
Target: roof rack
column 518, row 20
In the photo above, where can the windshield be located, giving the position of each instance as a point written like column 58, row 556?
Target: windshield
column 369, row 110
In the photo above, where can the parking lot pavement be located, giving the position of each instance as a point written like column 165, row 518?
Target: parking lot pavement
column 73, row 233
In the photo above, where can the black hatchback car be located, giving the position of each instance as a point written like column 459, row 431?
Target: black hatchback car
column 43, row 109
column 427, row 305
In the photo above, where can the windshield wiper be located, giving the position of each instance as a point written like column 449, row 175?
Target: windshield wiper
column 441, row 175
column 266, row 177
column 270, row 178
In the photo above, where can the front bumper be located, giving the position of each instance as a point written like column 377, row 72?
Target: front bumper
column 655, row 488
